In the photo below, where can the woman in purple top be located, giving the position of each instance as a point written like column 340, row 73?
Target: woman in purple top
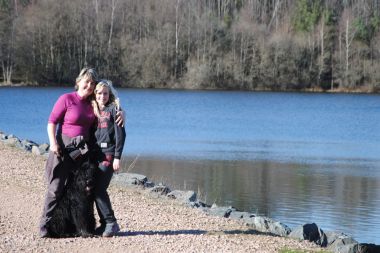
column 70, row 123
column 73, row 111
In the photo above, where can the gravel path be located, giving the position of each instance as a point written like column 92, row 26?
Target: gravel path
column 148, row 223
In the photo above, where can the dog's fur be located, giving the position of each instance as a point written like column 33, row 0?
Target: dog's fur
column 74, row 213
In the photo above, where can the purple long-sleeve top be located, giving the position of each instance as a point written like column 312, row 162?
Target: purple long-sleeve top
column 74, row 114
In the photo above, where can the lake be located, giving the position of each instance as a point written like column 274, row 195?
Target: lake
column 294, row 157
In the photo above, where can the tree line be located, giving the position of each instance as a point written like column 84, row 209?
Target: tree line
column 194, row 44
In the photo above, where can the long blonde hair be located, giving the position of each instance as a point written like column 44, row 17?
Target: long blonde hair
column 113, row 98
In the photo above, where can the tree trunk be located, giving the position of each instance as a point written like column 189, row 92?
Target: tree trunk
column 347, row 49
column 114, row 2
column 322, row 49
column 176, row 39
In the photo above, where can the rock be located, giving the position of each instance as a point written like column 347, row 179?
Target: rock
column 3, row 136
column 199, row 204
column 347, row 248
column 267, row 225
column 36, row 150
column 149, row 184
column 129, row 179
column 334, row 237
column 12, row 141
column 28, row 145
column 237, row 215
column 339, row 242
column 223, row 211
column 368, row 248
column 183, row 196
column 44, row 147
column 193, row 204
column 310, row 232
column 160, row 188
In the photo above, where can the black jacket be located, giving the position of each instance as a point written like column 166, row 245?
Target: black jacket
column 109, row 136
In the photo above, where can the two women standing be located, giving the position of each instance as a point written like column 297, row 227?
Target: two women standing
column 71, row 121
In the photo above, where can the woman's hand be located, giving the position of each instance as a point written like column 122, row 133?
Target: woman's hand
column 54, row 147
column 116, row 165
column 120, row 118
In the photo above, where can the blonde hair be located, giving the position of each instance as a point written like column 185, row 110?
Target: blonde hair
column 113, row 98
column 88, row 73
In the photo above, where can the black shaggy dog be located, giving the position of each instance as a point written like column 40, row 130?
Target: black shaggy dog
column 74, row 213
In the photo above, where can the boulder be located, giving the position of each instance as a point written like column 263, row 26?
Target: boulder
column 183, row 196
column 44, row 147
column 237, row 215
column 267, row 225
column 310, row 232
column 161, row 189
column 222, row 211
column 334, row 237
column 199, row 204
column 27, row 145
column 149, row 184
column 12, row 140
column 368, row 248
column 36, row 150
column 3, row 136
column 129, row 179
column 339, row 242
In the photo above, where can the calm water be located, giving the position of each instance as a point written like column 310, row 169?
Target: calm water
column 294, row 157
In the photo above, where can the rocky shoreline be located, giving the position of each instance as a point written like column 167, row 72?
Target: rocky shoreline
column 306, row 235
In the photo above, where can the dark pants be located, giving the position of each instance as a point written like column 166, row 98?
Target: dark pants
column 103, row 178
column 57, row 172
column 56, row 177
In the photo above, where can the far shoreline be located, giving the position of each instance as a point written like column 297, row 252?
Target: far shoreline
column 361, row 90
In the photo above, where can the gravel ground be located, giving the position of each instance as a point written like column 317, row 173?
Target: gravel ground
column 148, row 223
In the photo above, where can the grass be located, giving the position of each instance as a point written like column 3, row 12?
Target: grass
column 287, row 250
column 132, row 165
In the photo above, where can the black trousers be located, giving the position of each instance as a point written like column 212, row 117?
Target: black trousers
column 56, row 178
column 103, row 178
column 57, row 172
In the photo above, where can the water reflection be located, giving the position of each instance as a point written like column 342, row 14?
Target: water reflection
column 338, row 197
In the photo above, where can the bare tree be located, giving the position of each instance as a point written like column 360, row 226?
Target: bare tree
column 7, row 45
column 349, row 35
column 113, row 7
